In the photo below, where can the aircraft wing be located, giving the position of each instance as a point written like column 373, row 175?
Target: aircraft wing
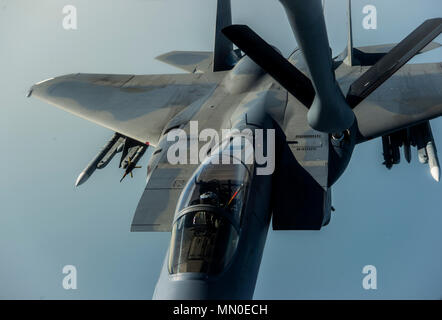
column 137, row 106
column 411, row 96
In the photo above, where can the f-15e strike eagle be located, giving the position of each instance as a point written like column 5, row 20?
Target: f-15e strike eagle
column 318, row 108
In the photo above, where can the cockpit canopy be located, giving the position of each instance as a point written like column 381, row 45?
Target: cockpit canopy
column 222, row 186
column 222, row 180
column 205, row 234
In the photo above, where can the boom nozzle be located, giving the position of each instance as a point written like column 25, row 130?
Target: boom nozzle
column 329, row 111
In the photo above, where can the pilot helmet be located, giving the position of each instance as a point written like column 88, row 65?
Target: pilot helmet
column 209, row 198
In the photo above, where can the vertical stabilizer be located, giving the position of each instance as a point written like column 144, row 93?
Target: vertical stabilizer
column 223, row 52
column 349, row 60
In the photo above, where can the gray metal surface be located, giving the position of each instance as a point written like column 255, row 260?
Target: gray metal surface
column 136, row 106
column 308, row 158
column 190, row 61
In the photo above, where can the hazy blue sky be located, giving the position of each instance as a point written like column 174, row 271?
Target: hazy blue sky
column 390, row 219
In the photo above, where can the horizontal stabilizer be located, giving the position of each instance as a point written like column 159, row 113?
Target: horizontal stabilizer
column 386, row 48
column 369, row 55
column 190, row 61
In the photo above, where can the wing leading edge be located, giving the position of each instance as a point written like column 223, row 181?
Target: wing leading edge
column 137, row 106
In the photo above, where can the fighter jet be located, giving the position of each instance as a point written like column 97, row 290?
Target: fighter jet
column 310, row 108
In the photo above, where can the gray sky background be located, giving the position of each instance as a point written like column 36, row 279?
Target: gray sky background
column 390, row 219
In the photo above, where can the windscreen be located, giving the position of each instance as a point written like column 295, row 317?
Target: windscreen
column 222, row 180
